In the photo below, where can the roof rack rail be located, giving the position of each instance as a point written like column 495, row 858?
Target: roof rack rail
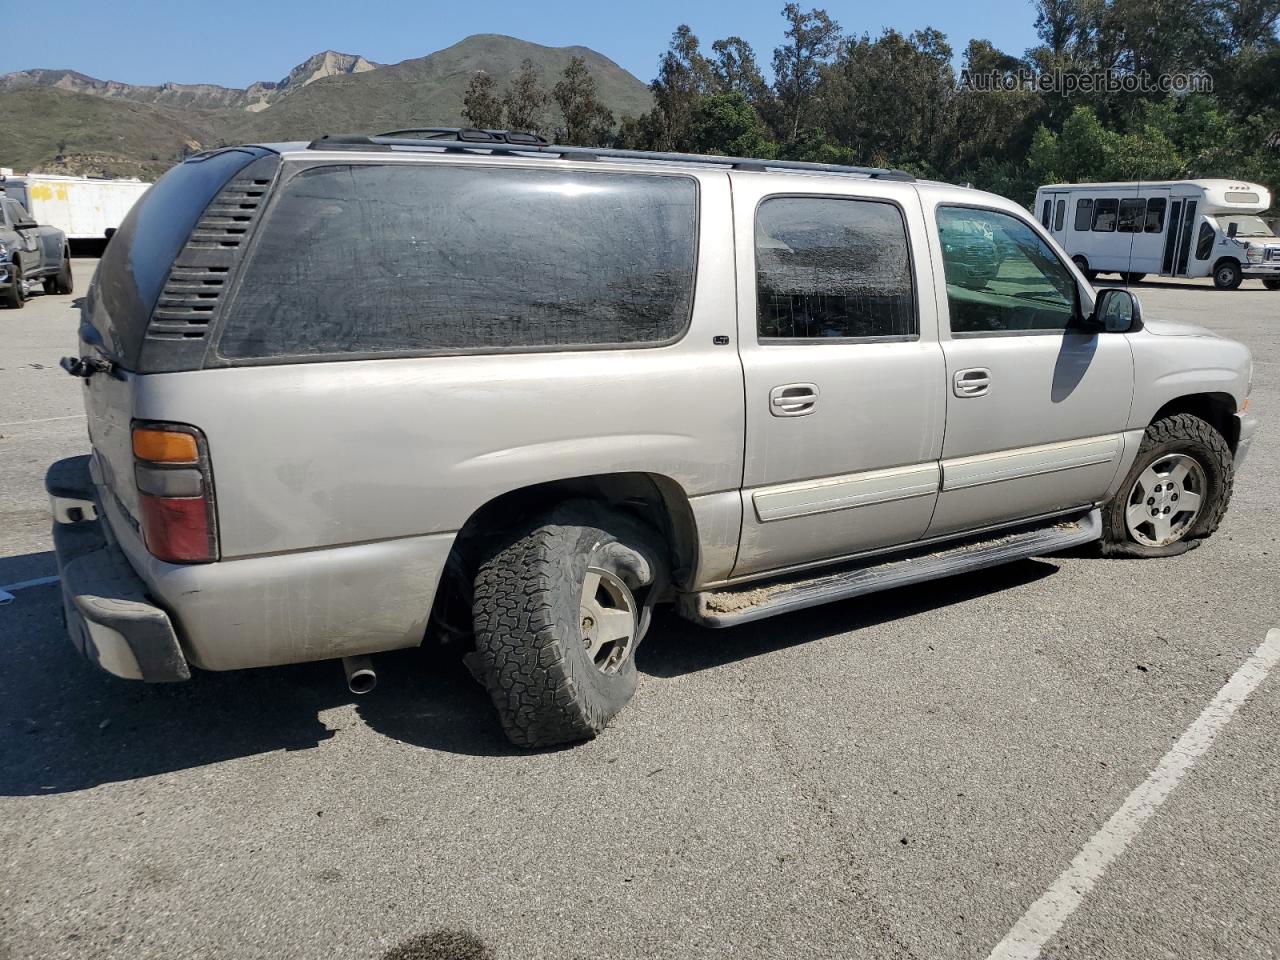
column 519, row 143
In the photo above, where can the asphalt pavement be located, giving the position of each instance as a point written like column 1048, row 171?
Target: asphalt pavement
column 899, row 776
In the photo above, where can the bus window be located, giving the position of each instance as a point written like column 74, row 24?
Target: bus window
column 1155, row 215
column 1104, row 215
column 1044, row 214
column 1204, row 242
column 1084, row 214
column 1132, row 212
column 1059, row 214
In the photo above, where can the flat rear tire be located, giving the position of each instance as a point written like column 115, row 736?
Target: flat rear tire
column 558, row 612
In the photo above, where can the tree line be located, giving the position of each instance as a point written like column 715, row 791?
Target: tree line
column 896, row 99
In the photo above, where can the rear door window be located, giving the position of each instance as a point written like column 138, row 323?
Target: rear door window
column 414, row 259
column 829, row 267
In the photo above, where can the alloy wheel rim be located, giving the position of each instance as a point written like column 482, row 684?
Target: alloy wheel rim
column 608, row 620
column 1165, row 500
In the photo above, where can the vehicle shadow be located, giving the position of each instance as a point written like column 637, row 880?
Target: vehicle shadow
column 66, row 726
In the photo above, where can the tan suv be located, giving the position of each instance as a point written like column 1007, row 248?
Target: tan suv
column 343, row 390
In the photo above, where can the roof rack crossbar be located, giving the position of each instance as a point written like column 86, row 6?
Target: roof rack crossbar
column 462, row 139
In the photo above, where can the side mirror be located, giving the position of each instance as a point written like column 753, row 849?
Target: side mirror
column 109, row 232
column 25, row 225
column 1231, row 230
column 1115, row 311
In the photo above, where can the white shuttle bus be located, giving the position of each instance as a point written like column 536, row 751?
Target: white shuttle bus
column 1175, row 228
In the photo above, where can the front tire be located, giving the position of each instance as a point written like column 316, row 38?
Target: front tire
column 558, row 613
column 1227, row 275
column 16, row 298
column 1174, row 495
column 1132, row 278
column 1271, row 283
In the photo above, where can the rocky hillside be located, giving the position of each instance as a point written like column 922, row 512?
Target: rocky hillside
column 63, row 121
column 204, row 96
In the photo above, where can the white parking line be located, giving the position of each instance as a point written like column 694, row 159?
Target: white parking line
column 1047, row 915
column 19, row 423
column 6, row 592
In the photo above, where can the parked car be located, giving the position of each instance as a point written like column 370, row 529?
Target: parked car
column 30, row 253
column 345, row 394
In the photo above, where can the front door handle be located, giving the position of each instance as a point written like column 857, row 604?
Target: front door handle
column 793, row 399
column 973, row 382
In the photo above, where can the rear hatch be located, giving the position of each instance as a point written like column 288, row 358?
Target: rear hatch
column 158, row 292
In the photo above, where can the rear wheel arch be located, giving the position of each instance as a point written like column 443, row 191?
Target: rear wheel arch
column 658, row 501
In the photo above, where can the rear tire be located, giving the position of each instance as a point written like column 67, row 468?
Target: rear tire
column 1227, row 275
column 558, row 613
column 15, row 298
column 1271, row 283
column 1132, row 278
column 1083, row 264
column 1180, row 457
column 63, row 282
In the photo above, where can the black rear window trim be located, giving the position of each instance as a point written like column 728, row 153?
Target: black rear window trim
column 911, row 261
column 214, row 358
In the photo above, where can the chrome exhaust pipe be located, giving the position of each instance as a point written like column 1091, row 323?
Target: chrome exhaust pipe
column 361, row 677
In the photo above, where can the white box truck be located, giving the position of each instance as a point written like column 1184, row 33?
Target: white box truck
column 84, row 208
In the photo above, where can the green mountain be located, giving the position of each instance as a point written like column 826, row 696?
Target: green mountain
column 58, row 121
column 429, row 91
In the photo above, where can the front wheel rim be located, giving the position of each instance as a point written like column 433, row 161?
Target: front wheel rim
column 1226, row 275
column 1166, row 500
column 608, row 618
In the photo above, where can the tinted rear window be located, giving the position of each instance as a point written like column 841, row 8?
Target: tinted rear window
column 136, row 262
column 417, row 258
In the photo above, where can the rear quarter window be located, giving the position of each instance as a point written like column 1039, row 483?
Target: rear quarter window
column 414, row 259
column 136, row 262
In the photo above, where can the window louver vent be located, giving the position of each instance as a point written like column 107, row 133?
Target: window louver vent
column 198, row 279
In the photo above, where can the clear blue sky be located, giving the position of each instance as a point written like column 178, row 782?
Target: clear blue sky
column 236, row 42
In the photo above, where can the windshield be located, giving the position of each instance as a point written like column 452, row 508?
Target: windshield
column 1245, row 226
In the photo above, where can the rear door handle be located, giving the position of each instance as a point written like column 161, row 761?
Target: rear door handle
column 973, row 382
column 793, row 399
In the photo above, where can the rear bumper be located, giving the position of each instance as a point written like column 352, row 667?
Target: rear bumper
column 110, row 617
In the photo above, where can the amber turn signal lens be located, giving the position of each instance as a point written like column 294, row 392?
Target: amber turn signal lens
column 164, row 446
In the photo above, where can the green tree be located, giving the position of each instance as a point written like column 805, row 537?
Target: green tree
column 889, row 100
column 812, row 38
column 586, row 120
column 481, row 106
column 684, row 75
column 727, row 123
column 525, row 102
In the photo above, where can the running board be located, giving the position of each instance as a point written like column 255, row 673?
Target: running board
column 731, row 606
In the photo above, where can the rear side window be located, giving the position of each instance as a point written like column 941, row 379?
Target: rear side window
column 1084, row 214
column 1059, row 214
column 832, row 268
column 416, row 258
column 136, row 262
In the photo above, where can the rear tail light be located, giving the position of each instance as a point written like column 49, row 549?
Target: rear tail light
column 175, row 492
